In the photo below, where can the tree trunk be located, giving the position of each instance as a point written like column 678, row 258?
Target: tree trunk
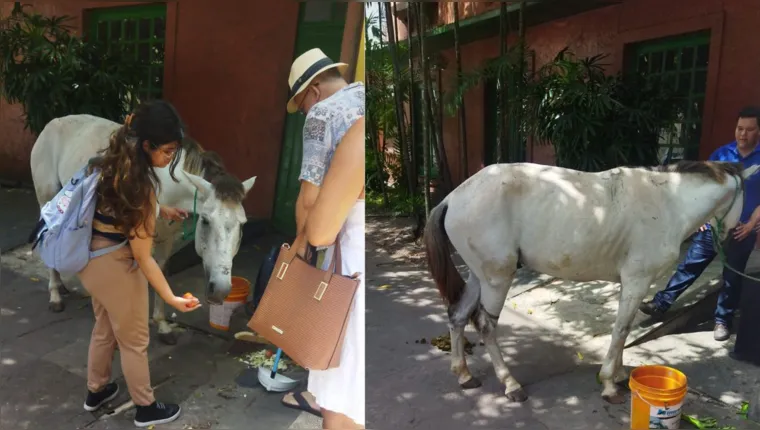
column 433, row 125
column 519, row 106
column 501, row 88
column 418, row 210
column 373, row 127
column 379, row 161
column 412, row 147
column 425, row 111
column 411, row 181
column 462, row 116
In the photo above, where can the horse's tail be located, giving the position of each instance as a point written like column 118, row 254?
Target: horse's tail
column 447, row 278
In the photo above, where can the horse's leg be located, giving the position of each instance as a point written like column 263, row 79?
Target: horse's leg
column 162, row 252
column 621, row 375
column 55, row 287
column 459, row 315
column 633, row 291
column 486, row 318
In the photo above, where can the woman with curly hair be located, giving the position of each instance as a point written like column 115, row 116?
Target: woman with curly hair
column 127, row 209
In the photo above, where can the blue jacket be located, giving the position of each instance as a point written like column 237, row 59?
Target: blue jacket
column 729, row 153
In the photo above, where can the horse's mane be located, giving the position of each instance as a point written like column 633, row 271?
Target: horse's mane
column 716, row 171
column 210, row 166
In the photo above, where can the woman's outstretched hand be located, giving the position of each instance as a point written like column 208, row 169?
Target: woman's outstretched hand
column 187, row 303
column 174, row 214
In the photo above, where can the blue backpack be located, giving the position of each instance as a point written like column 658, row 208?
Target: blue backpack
column 63, row 233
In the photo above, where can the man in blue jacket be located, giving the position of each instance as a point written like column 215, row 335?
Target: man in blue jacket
column 738, row 247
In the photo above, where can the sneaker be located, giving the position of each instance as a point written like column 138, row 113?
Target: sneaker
column 156, row 413
column 721, row 332
column 96, row 400
column 650, row 308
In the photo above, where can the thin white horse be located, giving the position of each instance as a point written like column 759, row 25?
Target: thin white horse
column 65, row 145
column 622, row 225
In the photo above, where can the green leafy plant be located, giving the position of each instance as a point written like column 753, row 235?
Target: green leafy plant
column 53, row 73
column 594, row 121
column 597, row 121
column 386, row 178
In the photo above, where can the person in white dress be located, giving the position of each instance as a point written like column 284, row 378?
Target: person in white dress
column 330, row 206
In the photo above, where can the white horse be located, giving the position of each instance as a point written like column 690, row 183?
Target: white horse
column 65, row 145
column 622, row 225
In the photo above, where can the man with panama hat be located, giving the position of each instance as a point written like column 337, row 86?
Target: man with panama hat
column 303, row 71
column 318, row 90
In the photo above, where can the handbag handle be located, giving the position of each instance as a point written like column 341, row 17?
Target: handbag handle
column 335, row 264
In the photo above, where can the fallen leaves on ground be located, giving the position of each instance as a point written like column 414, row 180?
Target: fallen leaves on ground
column 744, row 410
column 705, row 423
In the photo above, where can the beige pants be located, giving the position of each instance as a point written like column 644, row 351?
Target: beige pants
column 119, row 293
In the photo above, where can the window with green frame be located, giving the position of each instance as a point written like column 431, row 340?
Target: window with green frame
column 681, row 62
column 515, row 144
column 140, row 31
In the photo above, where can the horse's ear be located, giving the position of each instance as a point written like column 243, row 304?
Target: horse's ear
column 749, row 171
column 196, row 182
column 248, row 184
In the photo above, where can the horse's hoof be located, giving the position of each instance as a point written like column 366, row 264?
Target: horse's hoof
column 63, row 290
column 519, row 395
column 615, row 399
column 56, row 306
column 168, row 338
column 473, row 382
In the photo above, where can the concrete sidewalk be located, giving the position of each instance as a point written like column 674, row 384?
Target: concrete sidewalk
column 43, row 359
column 410, row 384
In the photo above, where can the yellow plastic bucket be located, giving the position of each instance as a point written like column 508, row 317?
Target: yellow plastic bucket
column 219, row 315
column 657, row 395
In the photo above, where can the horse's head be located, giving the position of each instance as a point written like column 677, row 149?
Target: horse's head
column 730, row 210
column 219, row 229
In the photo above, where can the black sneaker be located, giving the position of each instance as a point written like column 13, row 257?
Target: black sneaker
column 651, row 309
column 156, row 413
column 96, row 400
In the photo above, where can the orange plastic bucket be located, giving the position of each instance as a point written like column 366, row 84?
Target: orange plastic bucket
column 219, row 315
column 240, row 289
column 657, row 395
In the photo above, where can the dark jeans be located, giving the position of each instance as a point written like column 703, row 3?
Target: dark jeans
column 699, row 256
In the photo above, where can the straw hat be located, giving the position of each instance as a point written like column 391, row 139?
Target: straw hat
column 308, row 65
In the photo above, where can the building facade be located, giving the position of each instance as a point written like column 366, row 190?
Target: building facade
column 705, row 44
column 224, row 66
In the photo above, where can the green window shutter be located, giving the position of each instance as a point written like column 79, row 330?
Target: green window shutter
column 140, row 31
column 681, row 61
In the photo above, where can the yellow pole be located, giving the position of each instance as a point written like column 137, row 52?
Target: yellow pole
column 359, row 75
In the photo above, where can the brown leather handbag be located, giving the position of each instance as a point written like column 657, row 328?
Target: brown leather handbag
column 305, row 310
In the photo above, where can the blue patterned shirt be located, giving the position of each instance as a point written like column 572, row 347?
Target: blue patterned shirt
column 326, row 123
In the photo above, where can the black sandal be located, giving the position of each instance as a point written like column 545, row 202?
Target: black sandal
column 302, row 405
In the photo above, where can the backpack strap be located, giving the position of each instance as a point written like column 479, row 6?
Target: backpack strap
column 103, row 251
